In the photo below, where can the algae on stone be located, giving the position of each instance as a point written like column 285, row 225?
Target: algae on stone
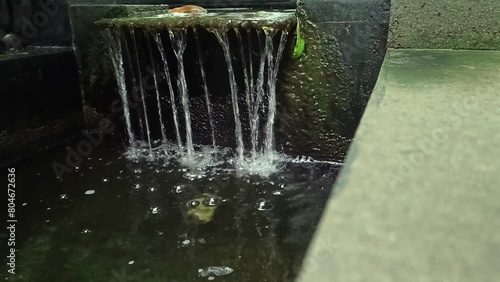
column 248, row 20
column 314, row 96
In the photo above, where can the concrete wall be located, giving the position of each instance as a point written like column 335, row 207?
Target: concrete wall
column 445, row 24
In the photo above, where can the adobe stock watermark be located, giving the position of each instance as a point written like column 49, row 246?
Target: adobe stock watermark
column 40, row 19
column 121, row 276
column 426, row 146
column 322, row 251
column 93, row 138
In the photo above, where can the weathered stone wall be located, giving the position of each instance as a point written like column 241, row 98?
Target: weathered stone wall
column 445, row 24
column 323, row 93
column 95, row 68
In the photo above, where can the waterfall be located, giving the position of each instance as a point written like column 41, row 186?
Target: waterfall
column 256, row 81
column 178, row 41
column 166, row 70
column 223, row 40
column 205, row 87
column 115, row 51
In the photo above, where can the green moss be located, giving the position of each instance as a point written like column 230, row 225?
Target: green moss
column 250, row 20
column 314, row 96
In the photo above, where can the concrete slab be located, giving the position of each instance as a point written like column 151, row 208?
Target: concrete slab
column 419, row 198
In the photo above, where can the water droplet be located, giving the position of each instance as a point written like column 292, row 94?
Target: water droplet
column 89, row 192
column 193, row 204
column 211, row 201
column 263, row 205
column 178, row 189
column 278, row 193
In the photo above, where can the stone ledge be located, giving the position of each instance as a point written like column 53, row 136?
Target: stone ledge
column 418, row 198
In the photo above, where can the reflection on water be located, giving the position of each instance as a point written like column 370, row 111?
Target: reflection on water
column 116, row 218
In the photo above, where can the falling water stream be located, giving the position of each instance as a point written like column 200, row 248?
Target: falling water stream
column 273, row 66
column 158, row 99
column 141, row 89
column 178, row 41
column 205, row 86
column 115, row 50
column 166, row 70
column 223, row 40
column 259, row 90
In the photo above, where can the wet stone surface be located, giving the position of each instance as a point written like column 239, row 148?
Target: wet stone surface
column 252, row 20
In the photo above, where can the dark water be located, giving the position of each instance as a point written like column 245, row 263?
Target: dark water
column 144, row 212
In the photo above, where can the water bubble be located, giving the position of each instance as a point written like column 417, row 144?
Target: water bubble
column 152, row 189
column 104, row 180
column 193, row 203
column 154, row 210
column 178, row 189
column 211, row 201
column 263, row 205
column 278, row 193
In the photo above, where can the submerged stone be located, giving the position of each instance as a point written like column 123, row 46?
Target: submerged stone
column 189, row 9
column 215, row 271
column 201, row 210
